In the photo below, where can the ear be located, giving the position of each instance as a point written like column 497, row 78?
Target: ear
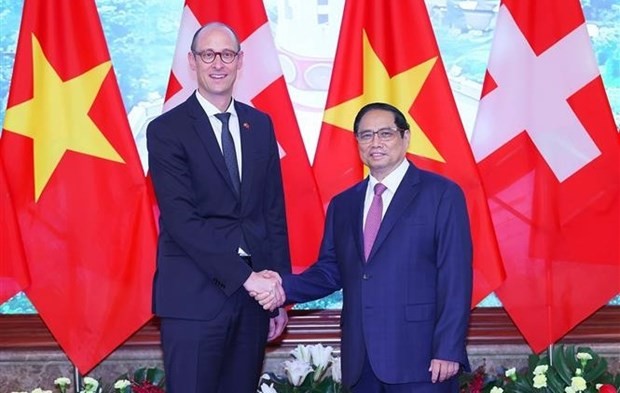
column 191, row 59
column 240, row 60
column 407, row 138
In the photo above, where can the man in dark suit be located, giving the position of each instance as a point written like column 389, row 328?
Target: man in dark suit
column 398, row 244
column 216, row 172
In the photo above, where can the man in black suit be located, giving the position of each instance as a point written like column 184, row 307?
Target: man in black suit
column 216, row 172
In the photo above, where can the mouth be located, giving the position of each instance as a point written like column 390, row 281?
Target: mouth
column 218, row 76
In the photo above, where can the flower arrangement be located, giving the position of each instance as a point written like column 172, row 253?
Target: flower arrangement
column 312, row 369
column 143, row 380
column 91, row 385
column 573, row 370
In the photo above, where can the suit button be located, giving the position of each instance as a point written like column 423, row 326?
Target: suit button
column 365, row 276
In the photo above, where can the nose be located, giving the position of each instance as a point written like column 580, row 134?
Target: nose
column 376, row 141
column 217, row 61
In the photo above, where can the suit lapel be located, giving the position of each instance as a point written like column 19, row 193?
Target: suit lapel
column 357, row 212
column 247, row 156
column 205, row 132
column 405, row 194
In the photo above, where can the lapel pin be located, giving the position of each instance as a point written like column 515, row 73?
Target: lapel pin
column 246, row 125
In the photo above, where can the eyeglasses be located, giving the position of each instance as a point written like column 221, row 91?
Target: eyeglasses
column 386, row 134
column 208, row 56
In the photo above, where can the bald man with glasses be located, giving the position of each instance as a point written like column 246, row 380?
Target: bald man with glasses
column 216, row 172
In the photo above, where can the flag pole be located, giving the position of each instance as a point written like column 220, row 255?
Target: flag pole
column 550, row 352
column 77, row 378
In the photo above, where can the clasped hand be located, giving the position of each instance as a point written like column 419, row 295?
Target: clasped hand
column 266, row 288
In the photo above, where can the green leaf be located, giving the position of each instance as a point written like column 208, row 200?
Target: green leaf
column 532, row 362
column 554, row 382
column 156, row 376
column 140, row 375
column 597, row 371
column 571, row 361
column 560, row 365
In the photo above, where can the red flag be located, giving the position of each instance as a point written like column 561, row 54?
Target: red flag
column 547, row 149
column 261, row 84
column 77, row 185
column 379, row 60
column 13, row 270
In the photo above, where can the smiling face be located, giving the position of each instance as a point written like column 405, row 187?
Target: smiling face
column 216, row 79
column 382, row 157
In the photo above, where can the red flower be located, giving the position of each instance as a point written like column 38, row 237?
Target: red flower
column 146, row 387
column 477, row 383
column 607, row 388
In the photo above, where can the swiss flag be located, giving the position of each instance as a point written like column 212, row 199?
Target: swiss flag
column 261, row 84
column 75, row 181
column 14, row 275
column 547, row 149
column 379, row 60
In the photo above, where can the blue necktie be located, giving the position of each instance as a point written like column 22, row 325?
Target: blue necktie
column 228, row 150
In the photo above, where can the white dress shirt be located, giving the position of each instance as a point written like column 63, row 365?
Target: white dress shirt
column 391, row 181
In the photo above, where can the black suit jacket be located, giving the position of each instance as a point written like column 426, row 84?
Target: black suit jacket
column 202, row 221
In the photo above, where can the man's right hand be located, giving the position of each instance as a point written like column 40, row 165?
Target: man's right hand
column 266, row 288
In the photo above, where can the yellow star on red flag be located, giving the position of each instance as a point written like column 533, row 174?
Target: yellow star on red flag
column 400, row 90
column 56, row 117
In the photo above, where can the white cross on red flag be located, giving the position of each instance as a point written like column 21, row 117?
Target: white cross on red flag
column 547, row 149
column 261, row 84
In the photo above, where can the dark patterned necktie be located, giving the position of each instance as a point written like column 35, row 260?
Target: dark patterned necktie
column 228, row 150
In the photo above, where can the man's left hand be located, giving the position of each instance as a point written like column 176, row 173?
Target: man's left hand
column 443, row 369
column 277, row 324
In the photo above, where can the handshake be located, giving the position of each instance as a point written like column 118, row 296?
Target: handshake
column 266, row 288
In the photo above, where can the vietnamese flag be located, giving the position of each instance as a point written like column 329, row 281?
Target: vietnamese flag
column 13, row 270
column 261, row 84
column 76, row 182
column 547, row 148
column 379, row 59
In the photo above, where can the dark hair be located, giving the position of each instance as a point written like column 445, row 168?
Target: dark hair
column 214, row 24
column 399, row 118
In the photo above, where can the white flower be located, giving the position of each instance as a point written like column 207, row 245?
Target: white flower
column 121, row 384
column 598, row 386
column 568, row 389
column 296, row 371
column 267, row 389
column 584, row 356
column 39, row 390
column 62, row 382
column 577, row 371
column 578, row 384
column 302, row 352
column 90, row 385
column 540, row 381
column 496, row 389
column 336, row 370
column 321, row 355
column 511, row 372
column 540, row 370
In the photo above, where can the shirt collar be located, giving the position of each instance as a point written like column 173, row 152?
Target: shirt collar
column 391, row 181
column 211, row 109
